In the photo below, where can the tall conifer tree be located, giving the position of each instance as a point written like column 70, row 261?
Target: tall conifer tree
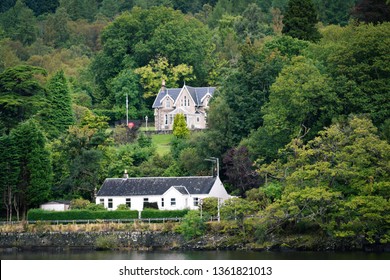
column 300, row 20
column 35, row 171
column 58, row 115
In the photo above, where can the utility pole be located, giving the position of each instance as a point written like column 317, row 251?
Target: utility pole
column 127, row 109
column 216, row 160
column 219, row 210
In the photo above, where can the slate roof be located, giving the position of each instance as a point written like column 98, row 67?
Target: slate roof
column 57, row 202
column 155, row 186
column 197, row 94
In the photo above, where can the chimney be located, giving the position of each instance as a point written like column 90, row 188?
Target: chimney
column 163, row 88
column 125, row 175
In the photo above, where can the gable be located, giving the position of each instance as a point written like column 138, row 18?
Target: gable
column 184, row 94
column 155, row 186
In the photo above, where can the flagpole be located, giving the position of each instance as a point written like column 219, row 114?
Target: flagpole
column 127, row 109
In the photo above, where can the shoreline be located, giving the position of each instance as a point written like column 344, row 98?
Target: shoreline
column 169, row 241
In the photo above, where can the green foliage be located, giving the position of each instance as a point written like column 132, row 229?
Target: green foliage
column 106, row 242
column 192, row 226
column 95, row 207
column 56, row 31
column 79, row 203
column 334, row 11
column 135, row 38
column 20, row 23
column 9, row 173
column 237, row 208
column 154, row 213
column 122, row 207
column 300, row 19
column 210, row 206
column 58, row 115
column 302, row 101
column 21, row 94
column 159, row 70
column 38, row 214
column 355, row 57
column 337, row 182
column 34, row 159
column 253, row 24
column 180, row 129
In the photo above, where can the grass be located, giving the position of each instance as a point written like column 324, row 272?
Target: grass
column 162, row 143
column 149, row 128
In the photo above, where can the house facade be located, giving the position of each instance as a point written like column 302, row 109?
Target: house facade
column 169, row 193
column 192, row 102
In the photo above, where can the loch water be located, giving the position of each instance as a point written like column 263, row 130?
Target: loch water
column 55, row 254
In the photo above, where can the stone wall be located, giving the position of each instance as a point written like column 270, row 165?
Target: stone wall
column 131, row 240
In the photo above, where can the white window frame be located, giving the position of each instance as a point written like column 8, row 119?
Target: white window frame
column 196, row 201
column 128, row 202
column 173, row 201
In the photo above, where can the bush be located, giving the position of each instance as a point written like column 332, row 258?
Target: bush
column 122, row 207
column 95, row 207
column 192, row 225
column 42, row 215
column 108, row 242
column 153, row 213
column 79, row 203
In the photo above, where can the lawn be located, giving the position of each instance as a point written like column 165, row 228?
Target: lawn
column 162, row 143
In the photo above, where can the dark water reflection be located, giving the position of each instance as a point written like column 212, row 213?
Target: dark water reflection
column 188, row 255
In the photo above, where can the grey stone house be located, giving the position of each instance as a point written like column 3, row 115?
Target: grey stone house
column 192, row 102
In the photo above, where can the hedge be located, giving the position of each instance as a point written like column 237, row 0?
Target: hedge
column 39, row 214
column 153, row 213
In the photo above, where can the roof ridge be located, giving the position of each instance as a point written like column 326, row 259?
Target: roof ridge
column 162, row 177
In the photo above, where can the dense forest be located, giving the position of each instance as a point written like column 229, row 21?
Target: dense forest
column 300, row 122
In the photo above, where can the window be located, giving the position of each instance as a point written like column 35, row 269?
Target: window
column 166, row 119
column 146, row 199
column 173, row 201
column 170, row 119
column 196, row 201
column 197, row 119
column 168, row 103
column 110, row 203
column 128, row 202
column 162, row 202
column 185, row 100
column 101, row 202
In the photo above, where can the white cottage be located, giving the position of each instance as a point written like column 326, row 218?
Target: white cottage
column 170, row 193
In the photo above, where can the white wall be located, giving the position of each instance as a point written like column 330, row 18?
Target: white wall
column 218, row 190
column 55, row 207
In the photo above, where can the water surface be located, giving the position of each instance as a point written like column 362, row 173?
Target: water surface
column 187, row 255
